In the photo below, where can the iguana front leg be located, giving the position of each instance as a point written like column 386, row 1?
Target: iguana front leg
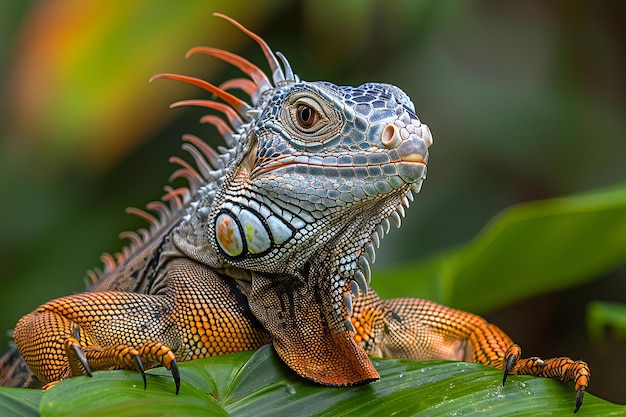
column 202, row 314
column 78, row 334
column 199, row 314
column 419, row 329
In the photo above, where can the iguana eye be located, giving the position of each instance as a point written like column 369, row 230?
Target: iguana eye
column 306, row 116
column 309, row 119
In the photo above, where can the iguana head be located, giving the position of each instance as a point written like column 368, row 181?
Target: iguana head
column 314, row 161
column 311, row 176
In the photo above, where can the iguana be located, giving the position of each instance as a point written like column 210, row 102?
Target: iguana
column 271, row 242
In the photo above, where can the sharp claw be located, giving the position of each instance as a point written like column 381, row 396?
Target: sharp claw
column 175, row 374
column 76, row 332
column 507, row 368
column 80, row 355
column 579, row 398
column 141, row 370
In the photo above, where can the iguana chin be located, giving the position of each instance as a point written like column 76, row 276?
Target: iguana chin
column 271, row 243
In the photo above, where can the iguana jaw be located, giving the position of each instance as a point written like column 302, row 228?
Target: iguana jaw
column 312, row 331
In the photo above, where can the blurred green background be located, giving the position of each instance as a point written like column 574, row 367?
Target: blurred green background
column 526, row 101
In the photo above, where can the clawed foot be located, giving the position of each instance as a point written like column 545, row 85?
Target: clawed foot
column 563, row 369
column 83, row 358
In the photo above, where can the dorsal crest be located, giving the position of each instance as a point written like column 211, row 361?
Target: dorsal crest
column 209, row 163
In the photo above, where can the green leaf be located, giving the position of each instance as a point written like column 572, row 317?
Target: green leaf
column 121, row 394
column 602, row 315
column 259, row 384
column 19, row 402
column 528, row 249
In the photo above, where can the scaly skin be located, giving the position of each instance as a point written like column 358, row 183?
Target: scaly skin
column 272, row 243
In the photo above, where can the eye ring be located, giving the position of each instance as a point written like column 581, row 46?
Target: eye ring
column 307, row 116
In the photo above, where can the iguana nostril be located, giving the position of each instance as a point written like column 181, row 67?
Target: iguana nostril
column 390, row 136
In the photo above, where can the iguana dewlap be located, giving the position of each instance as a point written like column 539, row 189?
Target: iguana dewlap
column 272, row 243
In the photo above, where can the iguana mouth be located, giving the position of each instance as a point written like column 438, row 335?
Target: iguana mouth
column 410, row 167
column 414, row 157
